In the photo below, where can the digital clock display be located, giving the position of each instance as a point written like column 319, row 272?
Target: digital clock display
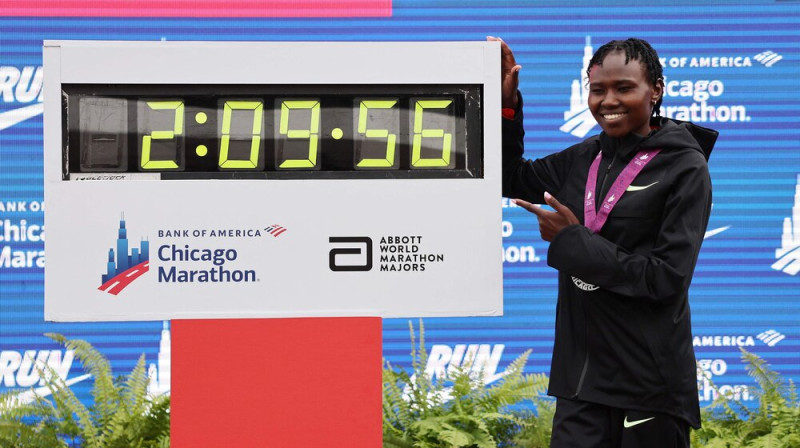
column 275, row 131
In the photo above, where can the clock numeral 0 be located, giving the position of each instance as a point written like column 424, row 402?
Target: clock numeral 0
column 255, row 143
column 417, row 161
column 312, row 133
column 391, row 139
column 147, row 162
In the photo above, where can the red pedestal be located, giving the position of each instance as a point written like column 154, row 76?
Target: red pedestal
column 296, row 383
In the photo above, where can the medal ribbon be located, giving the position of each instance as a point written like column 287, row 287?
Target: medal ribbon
column 595, row 220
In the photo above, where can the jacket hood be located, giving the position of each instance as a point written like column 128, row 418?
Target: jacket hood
column 683, row 134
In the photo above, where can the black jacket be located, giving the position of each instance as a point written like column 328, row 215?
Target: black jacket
column 623, row 328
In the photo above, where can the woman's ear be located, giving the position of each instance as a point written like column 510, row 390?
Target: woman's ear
column 658, row 90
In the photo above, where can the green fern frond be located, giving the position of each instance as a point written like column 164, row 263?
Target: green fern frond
column 123, row 415
column 392, row 441
column 104, row 392
column 774, row 424
column 68, row 410
column 768, row 380
column 456, row 411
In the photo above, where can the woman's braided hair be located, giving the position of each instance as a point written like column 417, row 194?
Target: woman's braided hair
column 636, row 49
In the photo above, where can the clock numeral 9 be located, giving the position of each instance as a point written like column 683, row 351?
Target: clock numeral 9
column 310, row 132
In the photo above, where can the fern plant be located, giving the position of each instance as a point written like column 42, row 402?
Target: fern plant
column 122, row 416
column 775, row 423
column 538, row 426
column 460, row 412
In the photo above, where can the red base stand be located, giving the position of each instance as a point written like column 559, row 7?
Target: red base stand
column 276, row 383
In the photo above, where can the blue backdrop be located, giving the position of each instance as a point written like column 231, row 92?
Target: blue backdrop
column 731, row 66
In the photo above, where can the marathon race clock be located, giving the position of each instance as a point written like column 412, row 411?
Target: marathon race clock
column 217, row 180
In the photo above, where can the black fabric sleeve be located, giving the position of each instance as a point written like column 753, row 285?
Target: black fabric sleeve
column 528, row 179
column 666, row 271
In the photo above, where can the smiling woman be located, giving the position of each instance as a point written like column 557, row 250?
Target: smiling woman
column 623, row 366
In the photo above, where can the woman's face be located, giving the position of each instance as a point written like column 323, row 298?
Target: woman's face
column 621, row 98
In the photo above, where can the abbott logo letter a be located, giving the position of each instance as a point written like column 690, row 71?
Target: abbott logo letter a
column 350, row 258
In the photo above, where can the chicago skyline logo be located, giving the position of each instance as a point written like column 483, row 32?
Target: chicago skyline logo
column 159, row 374
column 578, row 119
column 788, row 255
column 129, row 264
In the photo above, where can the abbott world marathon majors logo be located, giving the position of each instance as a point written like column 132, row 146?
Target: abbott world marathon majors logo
column 702, row 94
column 20, row 94
column 395, row 253
column 178, row 259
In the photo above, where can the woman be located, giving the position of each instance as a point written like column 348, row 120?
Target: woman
column 631, row 208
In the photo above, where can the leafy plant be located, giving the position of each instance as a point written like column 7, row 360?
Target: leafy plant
column 122, row 416
column 775, row 423
column 538, row 427
column 459, row 412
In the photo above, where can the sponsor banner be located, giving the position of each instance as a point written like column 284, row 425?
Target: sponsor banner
column 20, row 94
column 21, row 234
column 788, row 254
column 737, row 76
column 198, row 8
column 699, row 99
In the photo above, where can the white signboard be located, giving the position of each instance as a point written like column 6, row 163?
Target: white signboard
column 224, row 180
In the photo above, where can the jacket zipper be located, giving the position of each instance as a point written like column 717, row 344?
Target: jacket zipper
column 601, row 192
column 583, row 375
column 599, row 200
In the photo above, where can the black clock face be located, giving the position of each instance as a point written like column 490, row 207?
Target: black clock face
column 275, row 131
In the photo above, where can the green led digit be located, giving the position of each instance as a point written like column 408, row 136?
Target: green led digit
column 147, row 162
column 312, row 133
column 417, row 160
column 391, row 139
column 255, row 143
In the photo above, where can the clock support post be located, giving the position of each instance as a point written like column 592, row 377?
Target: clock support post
column 276, row 382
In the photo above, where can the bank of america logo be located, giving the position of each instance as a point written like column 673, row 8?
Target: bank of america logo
column 128, row 265
column 275, row 230
column 768, row 58
column 578, row 120
column 771, row 337
column 788, row 255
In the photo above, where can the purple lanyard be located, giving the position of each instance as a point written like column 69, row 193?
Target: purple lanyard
column 595, row 220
